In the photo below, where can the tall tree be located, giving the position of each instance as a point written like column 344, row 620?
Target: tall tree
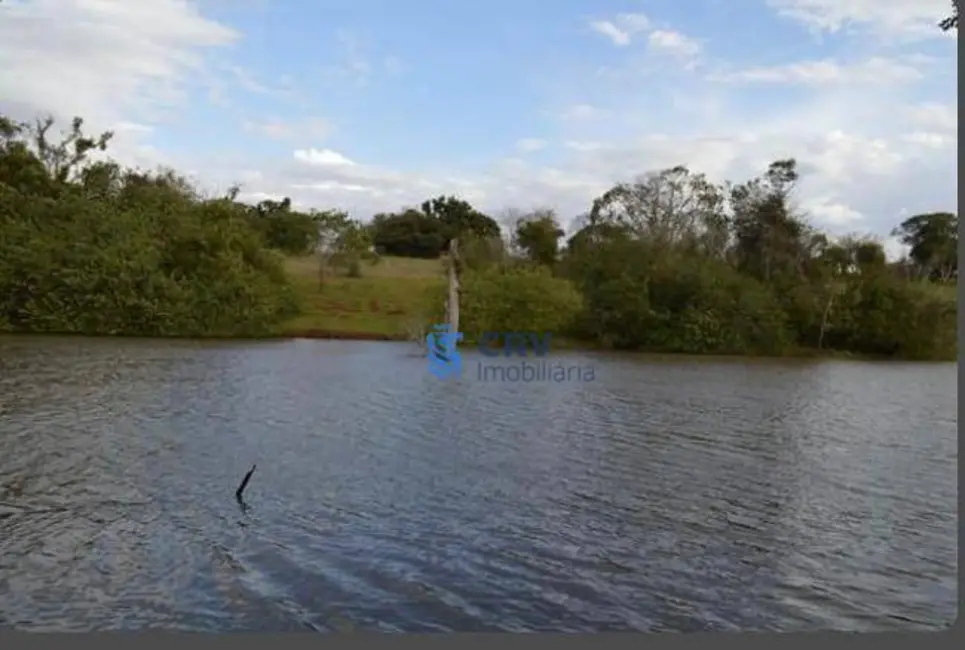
column 668, row 208
column 459, row 218
column 933, row 242
column 409, row 233
column 538, row 236
column 769, row 239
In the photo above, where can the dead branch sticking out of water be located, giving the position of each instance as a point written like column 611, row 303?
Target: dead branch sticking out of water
column 240, row 492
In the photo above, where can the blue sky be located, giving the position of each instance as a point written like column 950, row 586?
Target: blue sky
column 369, row 105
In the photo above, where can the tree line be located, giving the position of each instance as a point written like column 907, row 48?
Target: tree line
column 669, row 261
column 673, row 262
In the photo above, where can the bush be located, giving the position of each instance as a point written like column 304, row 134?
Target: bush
column 111, row 252
column 884, row 315
column 516, row 299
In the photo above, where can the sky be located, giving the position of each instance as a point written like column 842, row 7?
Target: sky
column 372, row 105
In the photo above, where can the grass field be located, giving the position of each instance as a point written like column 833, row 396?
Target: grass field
column 387, row 302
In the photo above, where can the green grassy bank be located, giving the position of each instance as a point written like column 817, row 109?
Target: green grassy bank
column 388, row 302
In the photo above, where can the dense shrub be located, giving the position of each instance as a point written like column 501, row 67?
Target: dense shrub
column 107, row 251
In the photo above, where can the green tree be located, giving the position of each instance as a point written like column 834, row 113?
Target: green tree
column 673, row 207
column 478, row 253
column 352, row 246
column 410, row 233
column 285, row 229
column 769, row 241
column 458, row 218
column 91, row 248
column 426, row 232
column 933, row 242
column 538, row 236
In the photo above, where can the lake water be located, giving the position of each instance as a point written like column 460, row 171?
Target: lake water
column 665, row 494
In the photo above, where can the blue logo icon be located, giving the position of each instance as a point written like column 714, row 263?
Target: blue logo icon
column 444, row 359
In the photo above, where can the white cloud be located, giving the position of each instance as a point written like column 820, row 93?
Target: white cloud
column 622, row 29
column 258, row 197
column 529, row 145
column 611, row 31
column 849, row 181
column 661, row 41
column 932, row 115
column 322, row 158
column 116, row 58
column 843, row 175
column 634, row 23
column 120, row 65
column 841, row 156
column 674, row 43
column 133, row 127
column 875, row 70
column 330, row 186
column 828, row 212
column 905, row 19
column 579, row 145
column 930, row 139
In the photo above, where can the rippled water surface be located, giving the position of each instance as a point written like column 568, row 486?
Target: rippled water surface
column 668, row 494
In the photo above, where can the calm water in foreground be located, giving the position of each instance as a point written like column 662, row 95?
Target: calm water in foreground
column 668, row 494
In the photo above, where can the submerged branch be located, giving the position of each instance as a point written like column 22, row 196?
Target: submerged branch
column 239, row 493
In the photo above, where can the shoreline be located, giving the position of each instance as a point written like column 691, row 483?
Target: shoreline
column 285, row 334
column 338, row 335
column 321, row 334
